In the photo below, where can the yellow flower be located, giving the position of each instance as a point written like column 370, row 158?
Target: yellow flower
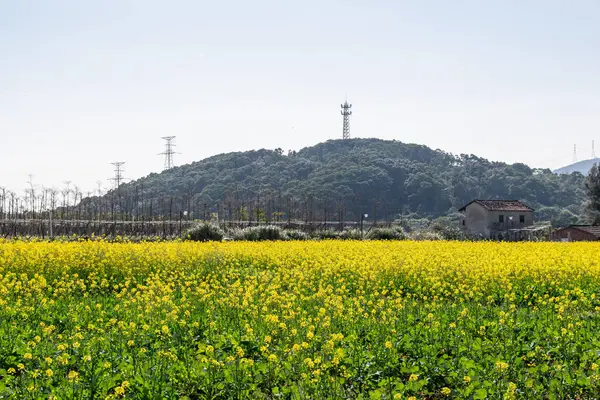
column 413, row 377
column 309, row 363
column 28, row 356
column 501, row 366
column 272, row 358
column 73, row 375
column 239, row 352
column 21, row 366
column 49, row 372
column 388, row 345
column 446, row 391
column 467, row 379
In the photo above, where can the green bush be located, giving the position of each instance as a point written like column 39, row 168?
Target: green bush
column 205, row 233
column 260, row 233
column 238, row 234
column 425, row 235
column 294, row 234
column 325, row 234
column 449, row 232
column 350, row 234
column 395, row 233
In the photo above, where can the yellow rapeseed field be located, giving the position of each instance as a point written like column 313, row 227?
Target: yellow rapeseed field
column 299, row 320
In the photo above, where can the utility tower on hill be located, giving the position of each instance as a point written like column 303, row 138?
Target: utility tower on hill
column 118, row 179
column 574, row 153
column 169, row 152
column 346, row 113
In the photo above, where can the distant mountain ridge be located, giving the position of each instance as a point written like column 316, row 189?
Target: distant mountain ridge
column 350, row 177
column 583, row 167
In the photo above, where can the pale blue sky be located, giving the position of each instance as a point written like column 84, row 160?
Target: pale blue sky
column 86, row 83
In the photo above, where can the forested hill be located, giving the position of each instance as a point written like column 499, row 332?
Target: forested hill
column 361, row 175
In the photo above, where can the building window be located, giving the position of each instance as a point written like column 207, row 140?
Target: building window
column 522, row 219
column 501, row 218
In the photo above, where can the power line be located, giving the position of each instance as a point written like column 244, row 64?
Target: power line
column 169, row 152
column 346, row 113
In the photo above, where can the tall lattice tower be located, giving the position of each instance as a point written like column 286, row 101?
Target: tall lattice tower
column 574, row 153
column 118, row 179
column 346, row 113
column 593, row 150
column 169, row 152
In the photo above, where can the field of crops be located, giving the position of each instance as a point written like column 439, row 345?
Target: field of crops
column 299, row 320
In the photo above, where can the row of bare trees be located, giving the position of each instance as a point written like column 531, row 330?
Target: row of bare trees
column 132, row 209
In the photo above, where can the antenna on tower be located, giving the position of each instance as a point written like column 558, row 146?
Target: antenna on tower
column 118, row 178
column 593, row 150
column 346, row 113
column 169, row 152
column 574, row 153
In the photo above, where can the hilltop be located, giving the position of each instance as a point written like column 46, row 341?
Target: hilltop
column 583, row 167
column 384, row 178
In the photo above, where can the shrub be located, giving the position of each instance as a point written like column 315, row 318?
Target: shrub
column 238, row 234
column 325, row 234
column 260, row 233
column 425, row 235
column 395, row 233
column 294, row 234
column 205, row 233
column 350, row 234
column 449, row 232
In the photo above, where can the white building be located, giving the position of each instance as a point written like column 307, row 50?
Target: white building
column 493, row 219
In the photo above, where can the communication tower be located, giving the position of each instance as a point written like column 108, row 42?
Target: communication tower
column 346, row 113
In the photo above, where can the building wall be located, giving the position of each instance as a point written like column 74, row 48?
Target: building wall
column 476, row 221
column 494, row 217
column 572, row 235
column 481, row 222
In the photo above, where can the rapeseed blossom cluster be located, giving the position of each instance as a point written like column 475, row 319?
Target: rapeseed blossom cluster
column 379, row 320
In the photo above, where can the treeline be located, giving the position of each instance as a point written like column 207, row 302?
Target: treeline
column 339, row 182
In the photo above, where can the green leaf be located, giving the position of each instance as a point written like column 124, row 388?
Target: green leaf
column 480, row 394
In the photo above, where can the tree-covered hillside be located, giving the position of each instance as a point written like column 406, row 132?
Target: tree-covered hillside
column 344, row 178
